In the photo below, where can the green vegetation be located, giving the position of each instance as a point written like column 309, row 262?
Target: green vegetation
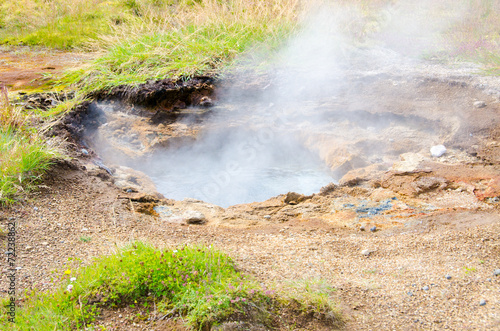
column 476, row 37
column 58, row 23
column 24, row 155
column 313, row 295
column 85, row 239
column 200, row 284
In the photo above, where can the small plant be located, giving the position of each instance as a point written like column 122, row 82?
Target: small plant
column 469, row 270
column 85, row 239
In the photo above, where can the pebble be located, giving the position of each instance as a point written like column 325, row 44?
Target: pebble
column 267, row 217
column 479, row 104
column 496, row 272
column 488, row 279
column 373, row 229
column 28, row 248
column 366, row 252
column 438, row 150
column 482, row 302
column 35, row 208
column 85, row 152
column 44, row 243
column 410, row 294
column 362, row 228
column 425, row 288
column 447, row 277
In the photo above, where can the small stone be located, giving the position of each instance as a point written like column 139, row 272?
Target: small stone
column 479, row 104
column 44, row 243
column 410, row 294
column 488, row 279
column 496, row 272
column 366, row 252
column 28, row 248
column 373, row 229
column 194, row 217
column 447, row 277
column 362, row 228
column 482, row 302
column 438, row 150
column 267, row 217
column 84, row 229
column 425, row 288
column 84, row 151
column 35, row 208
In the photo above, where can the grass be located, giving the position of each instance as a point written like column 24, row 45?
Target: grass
column 184, row 40
column 85, row 239
column 24, row 154
column 58, row 23
column 199, row 284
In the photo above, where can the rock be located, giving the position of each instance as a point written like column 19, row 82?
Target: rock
column 194, row 217
column 366, row 252
column 28, row 248
column 293, row 198
column 409, row 162
column 84, row 151
column 496, row 272
column 479, row 104
column 425, row 288
column 438, row 150
column 44, row 243
column 373, row 229
column 325, row 190
column 206, row 102
column 267, row 217
column 482, row 302
column 488, row 279
column 447, row 277
column 362, row 228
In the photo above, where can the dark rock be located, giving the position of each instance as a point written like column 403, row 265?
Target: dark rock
column 293, row 198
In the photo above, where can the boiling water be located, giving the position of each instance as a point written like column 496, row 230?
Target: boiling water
column 229, row 170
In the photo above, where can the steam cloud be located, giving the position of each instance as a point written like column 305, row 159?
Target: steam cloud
column 265, row 144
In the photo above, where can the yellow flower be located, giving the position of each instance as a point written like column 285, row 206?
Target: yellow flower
column 67, row 272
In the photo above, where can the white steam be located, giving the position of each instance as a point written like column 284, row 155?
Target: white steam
column 283, row 138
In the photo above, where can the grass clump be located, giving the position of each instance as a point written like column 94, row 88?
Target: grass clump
column 58, row 23
column 186, row 39
column 197, row 283
column 24, row 154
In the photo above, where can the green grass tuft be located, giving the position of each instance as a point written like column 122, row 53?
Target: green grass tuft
column 23, row 160
column 196, row 282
